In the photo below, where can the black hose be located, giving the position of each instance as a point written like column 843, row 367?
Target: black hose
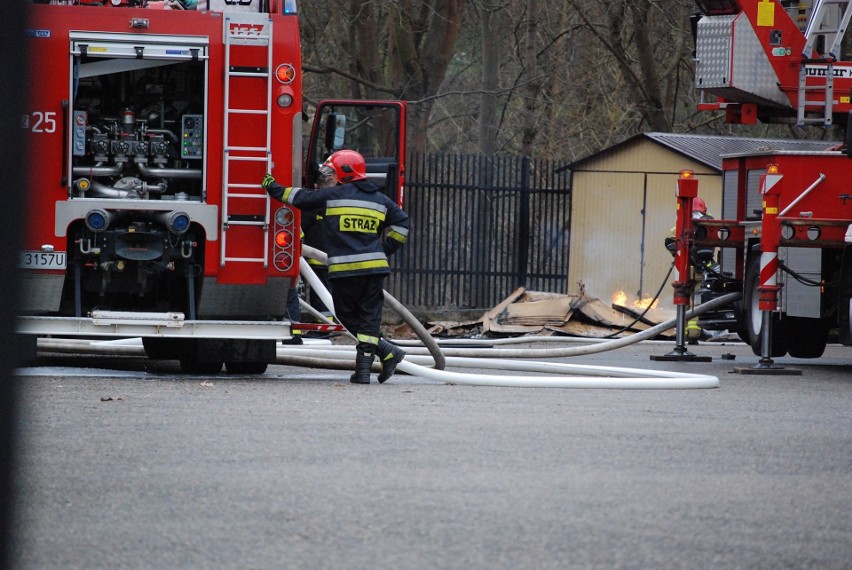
column 804, row 280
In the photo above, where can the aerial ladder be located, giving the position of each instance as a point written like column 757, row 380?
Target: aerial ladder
column 828, row 22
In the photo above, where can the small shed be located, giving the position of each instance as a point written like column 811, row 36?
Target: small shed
column 623, row 207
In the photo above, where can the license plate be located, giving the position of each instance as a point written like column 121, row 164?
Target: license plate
column 42, row 260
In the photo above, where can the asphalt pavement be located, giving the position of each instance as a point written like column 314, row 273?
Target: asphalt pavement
column 120, row 467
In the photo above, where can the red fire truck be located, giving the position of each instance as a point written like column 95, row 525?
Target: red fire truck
column 786, row 226
column 149, row 130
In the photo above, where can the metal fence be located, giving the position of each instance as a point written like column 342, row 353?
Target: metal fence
column 481, row 228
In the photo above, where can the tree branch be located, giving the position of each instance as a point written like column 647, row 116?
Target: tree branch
column 478, row 91
column 337, row 71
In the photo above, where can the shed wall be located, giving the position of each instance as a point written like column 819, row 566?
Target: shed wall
column 623, row 207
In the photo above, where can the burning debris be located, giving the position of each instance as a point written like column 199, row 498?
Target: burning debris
column 535, row 312
column 619, row 298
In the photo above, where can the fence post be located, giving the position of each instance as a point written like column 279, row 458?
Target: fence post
column 523, row 224
column 484, row 173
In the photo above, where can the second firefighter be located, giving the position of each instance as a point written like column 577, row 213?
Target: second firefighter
column 363, row 227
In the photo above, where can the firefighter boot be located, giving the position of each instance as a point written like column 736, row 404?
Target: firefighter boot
column 363, row 362
column 693, row 331
column 390, row 355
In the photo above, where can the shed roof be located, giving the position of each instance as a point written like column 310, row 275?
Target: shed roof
column 709, row 149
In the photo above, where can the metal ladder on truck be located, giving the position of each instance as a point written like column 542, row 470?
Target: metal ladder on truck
column 820, row 16
column 255, row 32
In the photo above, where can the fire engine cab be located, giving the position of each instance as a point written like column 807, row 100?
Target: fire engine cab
column 149, row 128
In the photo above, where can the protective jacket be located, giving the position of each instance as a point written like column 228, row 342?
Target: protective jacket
column 362, row 225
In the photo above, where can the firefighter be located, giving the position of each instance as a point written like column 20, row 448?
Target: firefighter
column 701, row 260
column 363, row 227
column 699, row 211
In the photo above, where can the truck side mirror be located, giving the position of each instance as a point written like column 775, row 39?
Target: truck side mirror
column 335, row 132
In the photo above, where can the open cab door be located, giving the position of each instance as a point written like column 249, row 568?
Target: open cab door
column 376, row 129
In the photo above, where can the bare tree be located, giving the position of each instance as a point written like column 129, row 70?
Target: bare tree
column 488, row 128
column 645, row 39
column 395, row 50
column 561, row 79
column 532, row 85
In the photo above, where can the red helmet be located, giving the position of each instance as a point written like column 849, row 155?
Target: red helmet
column 348, row 165
column 698, row 205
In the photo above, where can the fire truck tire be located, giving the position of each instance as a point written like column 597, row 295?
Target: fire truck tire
column 845, row 335
column 806, row 337
column 246, row 367
column 753, row 316
column 844, row 306
column 195, row 366
column 161, row 348
column 741, row 328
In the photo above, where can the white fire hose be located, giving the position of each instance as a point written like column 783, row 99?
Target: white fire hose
column 496, row 359
column 307, row 273
column 595, row 346
column 562, row 375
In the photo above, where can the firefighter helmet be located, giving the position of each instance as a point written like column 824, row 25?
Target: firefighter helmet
column 348, row 164
column 698, row 205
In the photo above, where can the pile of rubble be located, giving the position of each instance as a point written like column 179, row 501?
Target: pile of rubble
column 538, row 313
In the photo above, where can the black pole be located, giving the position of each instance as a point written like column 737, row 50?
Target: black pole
column 482, row 175
column 524, row 224
column 12, row 155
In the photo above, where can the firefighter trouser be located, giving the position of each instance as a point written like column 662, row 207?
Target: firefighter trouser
column 294, row 309
column 358, row 302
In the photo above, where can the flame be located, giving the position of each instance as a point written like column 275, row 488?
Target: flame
column 620, row 298
column 644, row 303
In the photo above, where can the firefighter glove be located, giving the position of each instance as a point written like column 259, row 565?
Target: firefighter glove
column 267, row 181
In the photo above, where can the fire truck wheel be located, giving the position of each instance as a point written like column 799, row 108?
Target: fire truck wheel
column 845, row 336
column 844, row 307
column 246, row 367
column 846, row 320
column 741, row 327
column 753, row 316
column 161, row 348
column 195, row 366
column 807, row 337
